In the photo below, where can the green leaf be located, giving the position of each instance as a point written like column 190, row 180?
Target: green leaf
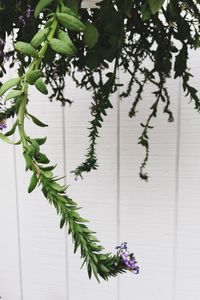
column 197, row 41
column 32, row 76
column 37, row 121
column 40, row 6
column 103, row 268
column 47, row 174
column 67, row 10
column 33, row 183
column 13, row 94
column 42, row 158
column 181, row 62
column 155, row 5
column 12, row 130
column 26, row 49
column 62, row 222
column 41, row 141
column 61, row 47
column 49, row 22
column 95, row 272
column 91, row 35
column 28, row 160
column 183, row 29
column 64, row 37
column 39, row 37
column 35, row 146
column 7, row 140
column 8, row 84
column 49, row 168
column 73, row 5
column 146, row 12
column 57, row 187
column 171, row 10
column 70, row 22
column 40, row 85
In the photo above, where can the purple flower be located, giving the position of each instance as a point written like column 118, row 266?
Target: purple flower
column 29, row 11
column 22, row 20
column 128, row 258
column 2, row 124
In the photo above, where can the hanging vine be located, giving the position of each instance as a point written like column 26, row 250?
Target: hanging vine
column 53, row 39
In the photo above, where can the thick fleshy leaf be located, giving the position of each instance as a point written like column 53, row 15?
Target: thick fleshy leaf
column 70, row 22
column 26, row 49
column 155, row 5
column 37, row 121
column 41, row 5
column 8, row 84
column 91, row 35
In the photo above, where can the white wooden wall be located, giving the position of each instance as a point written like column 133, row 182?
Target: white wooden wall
column 160, row 219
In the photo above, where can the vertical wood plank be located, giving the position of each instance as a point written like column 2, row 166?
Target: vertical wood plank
column 42, row 242
column 9, row 242
column 147, row 209
column 9, row 257
column 188, row 265
column 96, row 193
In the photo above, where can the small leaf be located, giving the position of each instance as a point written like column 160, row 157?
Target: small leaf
column 103, row 268
column 62, row 222
column 42, row 158
column 26, row 49
column 70, row 22
column 67, row 10
column 35, row 146
column 37, row 121
column 181, row 62
column 32, row 76
column 61, row 47
column 49, row 22
column 41, row 141
column 47, row 174
column 33, row 183
column 64, row 37
column 91, row 35
column 57, row 187
column 7, row 140
column 8, row 84
column 13, row 94
column 146, row 12
column 155, row 5
column 183, row 29
column 28, row 160
column 39, row 37
column 73, row 5
column 12, row 130
column 50, row 168
column 40, row 85
column 40, row 6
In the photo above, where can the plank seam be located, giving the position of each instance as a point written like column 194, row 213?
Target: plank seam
column 118, row 181
column 176, row 202
column 18, row 225
column 65, row 183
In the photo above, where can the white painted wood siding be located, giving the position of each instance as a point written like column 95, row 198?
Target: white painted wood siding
column 160, row 219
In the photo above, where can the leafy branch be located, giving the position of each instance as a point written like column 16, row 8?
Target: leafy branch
column 98, row 263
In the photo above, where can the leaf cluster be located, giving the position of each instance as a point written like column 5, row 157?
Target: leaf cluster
column 53, row 36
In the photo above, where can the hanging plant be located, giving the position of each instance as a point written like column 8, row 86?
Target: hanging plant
column 52, row 39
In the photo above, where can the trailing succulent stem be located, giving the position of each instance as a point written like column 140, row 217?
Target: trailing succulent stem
column 98, row 263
